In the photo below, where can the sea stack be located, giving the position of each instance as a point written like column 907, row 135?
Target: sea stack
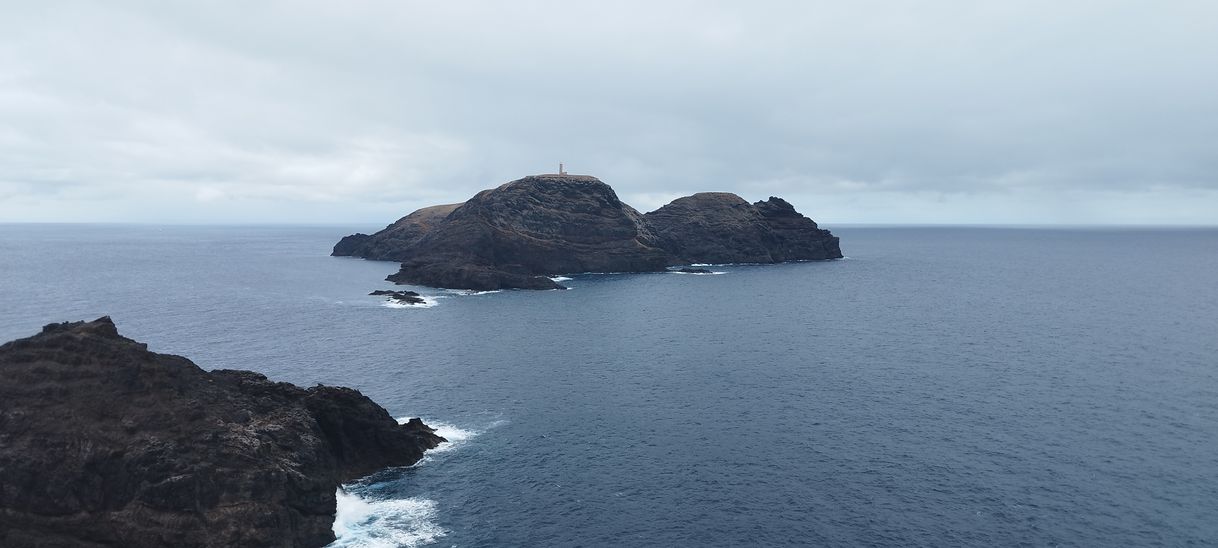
column 522, row 233
column 103, row 443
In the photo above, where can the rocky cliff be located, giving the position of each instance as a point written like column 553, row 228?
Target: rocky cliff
column 720, row 227
column 516, row 235
column 103, row 443
column 523, row 232
column 392, row 243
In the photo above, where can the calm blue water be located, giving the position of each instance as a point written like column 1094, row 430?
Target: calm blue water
column 940, row 387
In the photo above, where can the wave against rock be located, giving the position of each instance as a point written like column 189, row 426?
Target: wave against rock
column 524, row 232
column 103, row 443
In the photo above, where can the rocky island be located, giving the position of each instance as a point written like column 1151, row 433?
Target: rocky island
column 522, row 233
column 103, row 443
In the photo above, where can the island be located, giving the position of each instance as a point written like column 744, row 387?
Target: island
column 523, row 233
column 103, row 443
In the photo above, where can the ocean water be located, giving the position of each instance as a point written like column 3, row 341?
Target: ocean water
column 938, row 387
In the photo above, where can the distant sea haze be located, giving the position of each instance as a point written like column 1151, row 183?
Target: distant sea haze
column 938, row 386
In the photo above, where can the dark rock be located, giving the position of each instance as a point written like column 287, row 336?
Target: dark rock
column 394, row 293
column 519, row 234
column 103, row 443
column 352, row 245
column 688, row 270
column 799, row 239
column 523, row 232
column 407, row 297
column 714, row 227
column 392, row 243
column 720, row 227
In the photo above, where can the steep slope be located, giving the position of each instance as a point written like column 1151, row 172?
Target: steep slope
column 720, row 227
column 390, row 243
column 714, row 227
column 103, row 443
column 515, row 235
column 799, row 238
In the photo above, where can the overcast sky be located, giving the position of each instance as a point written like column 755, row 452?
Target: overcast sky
column 857, row 112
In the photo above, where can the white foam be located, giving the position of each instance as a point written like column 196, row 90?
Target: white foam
column 455, row 435
column 367, row 523
column 428, row 302
column 465, row 292
column 717, row 272
column 560, row 278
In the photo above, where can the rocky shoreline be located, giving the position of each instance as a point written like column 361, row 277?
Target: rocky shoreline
column 522, row 233
column 103, row 443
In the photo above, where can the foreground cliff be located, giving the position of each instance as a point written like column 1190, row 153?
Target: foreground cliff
column 103, row 443
column 524, row 232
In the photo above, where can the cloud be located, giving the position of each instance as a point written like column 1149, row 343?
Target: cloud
column 305, row 111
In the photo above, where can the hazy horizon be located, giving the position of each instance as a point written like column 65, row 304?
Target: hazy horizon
column 945, row 113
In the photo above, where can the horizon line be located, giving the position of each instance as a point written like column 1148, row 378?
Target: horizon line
column 822, row 224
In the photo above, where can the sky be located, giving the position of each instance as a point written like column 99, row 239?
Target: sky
column 358, row 112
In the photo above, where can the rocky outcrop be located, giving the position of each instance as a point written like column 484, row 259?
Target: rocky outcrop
column 404, row 297
column 720, row 227
column 393, row 243
column 520, row 234
column 799, row 238
column 103, row 443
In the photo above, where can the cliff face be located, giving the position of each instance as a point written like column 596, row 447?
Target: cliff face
column 714, row 227
column 515, row 235
column 720, row 227
column 103, row 443
column 392, row 243
column 799, row 239
column 518, row 234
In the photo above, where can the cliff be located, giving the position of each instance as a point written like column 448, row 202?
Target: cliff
column 392, row 243
column 523, row 232
column 516, row 235
column 720, row 227
column 103, row 443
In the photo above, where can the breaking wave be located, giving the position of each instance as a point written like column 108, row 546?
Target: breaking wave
column 369, row 523
column 471, row 291
column 455, row 435
column 428, row 302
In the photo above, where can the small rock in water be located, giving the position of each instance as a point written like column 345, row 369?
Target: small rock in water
column 408, row 297
column 688, row 270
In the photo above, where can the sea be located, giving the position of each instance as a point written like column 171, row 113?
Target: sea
column 939, row 386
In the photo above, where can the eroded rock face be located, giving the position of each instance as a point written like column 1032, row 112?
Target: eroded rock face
column 720, row 227
column 103, row 443
column 714, row 227
column 799, row 239
column 393, row 243
column 523, row 232
column 516, row 235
